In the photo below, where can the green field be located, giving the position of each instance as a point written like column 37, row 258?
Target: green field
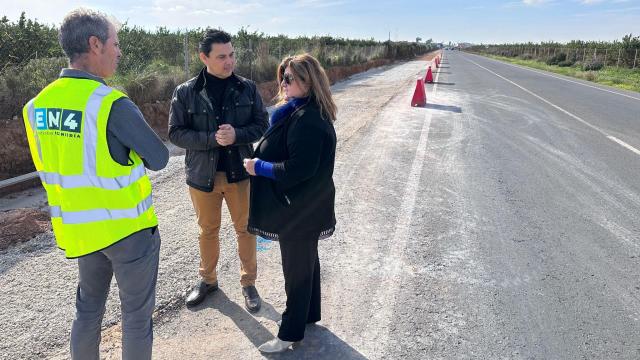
column 627, row 79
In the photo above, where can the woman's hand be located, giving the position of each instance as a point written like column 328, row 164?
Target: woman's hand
column 250, row 166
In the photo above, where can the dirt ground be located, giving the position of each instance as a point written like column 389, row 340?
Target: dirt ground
column 14, row 151
column 22, row 225
column 16, row 160
column 40, row 329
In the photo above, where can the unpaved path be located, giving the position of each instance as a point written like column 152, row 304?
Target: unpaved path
column 38, row 284
column 498, row 222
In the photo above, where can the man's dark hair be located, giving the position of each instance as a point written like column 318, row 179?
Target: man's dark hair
column 212, row 36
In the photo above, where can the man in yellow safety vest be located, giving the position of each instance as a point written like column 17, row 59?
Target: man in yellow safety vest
column 90, row 145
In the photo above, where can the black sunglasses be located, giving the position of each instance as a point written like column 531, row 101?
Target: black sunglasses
column 288, row 78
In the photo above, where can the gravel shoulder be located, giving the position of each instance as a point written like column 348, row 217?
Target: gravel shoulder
column 38, row 284
column 486, row 225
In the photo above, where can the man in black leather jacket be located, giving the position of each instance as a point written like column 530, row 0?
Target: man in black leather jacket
column 216, row 117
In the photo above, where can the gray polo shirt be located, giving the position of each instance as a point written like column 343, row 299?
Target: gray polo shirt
column 127, row 130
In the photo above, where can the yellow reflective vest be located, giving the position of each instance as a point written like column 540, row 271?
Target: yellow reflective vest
column 94, row 201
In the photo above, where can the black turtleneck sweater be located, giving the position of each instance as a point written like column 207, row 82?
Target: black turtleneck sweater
column 216, row 88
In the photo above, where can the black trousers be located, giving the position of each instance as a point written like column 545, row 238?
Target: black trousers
column 301, row 267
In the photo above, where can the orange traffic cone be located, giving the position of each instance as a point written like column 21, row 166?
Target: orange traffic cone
column 419, row 95
column 429, row 77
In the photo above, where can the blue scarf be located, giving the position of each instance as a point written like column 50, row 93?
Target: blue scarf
column 286, row 109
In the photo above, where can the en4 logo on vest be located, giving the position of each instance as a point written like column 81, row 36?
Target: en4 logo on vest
column 58, row 119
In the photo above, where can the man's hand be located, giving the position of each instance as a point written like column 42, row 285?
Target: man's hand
column 226, row 135
column 250, row 166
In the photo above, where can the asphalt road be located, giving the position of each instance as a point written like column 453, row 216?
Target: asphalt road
column 499, row 221
column 528, row 219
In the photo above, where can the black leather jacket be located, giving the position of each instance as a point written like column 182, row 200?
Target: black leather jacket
column 193, row 121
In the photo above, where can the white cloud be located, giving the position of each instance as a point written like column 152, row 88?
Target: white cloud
column 192, row 13
column 590, row 2
column 50, row 12
column 314, row 4
column 594, row 2
column 623, row 10
column 203, row 7
column 523, row 3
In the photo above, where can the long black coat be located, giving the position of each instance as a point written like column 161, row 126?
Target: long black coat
column 301, row 199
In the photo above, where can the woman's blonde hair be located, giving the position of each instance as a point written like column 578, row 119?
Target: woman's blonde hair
column 280, row 97
column 307, row 70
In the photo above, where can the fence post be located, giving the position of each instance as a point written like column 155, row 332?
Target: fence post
column 584, row 54
column 250, row 60
column 606, row 52
column 185, row 44
column 635, row 58
column 618, row 63
column 595, row 54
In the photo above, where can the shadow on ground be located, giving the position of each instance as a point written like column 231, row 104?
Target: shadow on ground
column 319, row 341
column 454, row 109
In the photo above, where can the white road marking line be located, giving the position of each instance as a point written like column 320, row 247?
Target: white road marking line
column 435, row 81
column 333, row 317
column 561, row 78
column 612, row 138
column 615, row 139
column 394, row 259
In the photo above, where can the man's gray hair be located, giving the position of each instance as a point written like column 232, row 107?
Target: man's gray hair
column 78, row 26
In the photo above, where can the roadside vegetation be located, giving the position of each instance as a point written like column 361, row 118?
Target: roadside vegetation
column 154, row 62
column 615, row 63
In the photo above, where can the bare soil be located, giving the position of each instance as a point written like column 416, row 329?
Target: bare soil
column 21, row 225
column 15, row 159
column 14, row 150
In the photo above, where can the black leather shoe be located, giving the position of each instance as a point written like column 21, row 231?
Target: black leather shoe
column 252, row 299
column 200, row 292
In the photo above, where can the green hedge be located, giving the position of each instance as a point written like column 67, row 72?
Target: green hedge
column 153, row 62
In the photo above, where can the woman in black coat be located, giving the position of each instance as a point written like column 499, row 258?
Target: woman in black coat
column 292, row 191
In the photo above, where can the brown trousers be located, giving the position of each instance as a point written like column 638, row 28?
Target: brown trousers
column 208, row 207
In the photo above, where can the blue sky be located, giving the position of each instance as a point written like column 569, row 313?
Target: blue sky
column 443, row 20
